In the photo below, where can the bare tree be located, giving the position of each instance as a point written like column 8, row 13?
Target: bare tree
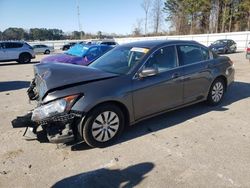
column 157, row 15
column 137, row 28
column 146, row 4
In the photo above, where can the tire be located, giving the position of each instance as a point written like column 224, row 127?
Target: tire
column 65, row 48
column 24, row 58
column 96, row 132
column 216, row 92
column 47, row 52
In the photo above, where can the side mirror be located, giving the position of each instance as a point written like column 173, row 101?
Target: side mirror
column 146, row 72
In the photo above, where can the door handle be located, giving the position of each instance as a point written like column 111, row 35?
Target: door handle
column 175, row 75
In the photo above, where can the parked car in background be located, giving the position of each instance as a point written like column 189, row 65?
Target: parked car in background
column 224, row 46
column 107, row 42
column 79, row 54
column 41, row 48
column 130, row 83
column 67, row 46
column 248, row 51
column 16, row 51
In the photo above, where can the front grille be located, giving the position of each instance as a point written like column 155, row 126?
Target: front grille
column 57, row 118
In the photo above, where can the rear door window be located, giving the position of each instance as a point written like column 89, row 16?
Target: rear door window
column 189, row 54
column 205, row 54
column 13, row 45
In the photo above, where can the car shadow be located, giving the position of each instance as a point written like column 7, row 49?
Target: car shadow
column 13, row 85
column 16, row 63
column 236, row 92
column 104, row 177
column 237, row 52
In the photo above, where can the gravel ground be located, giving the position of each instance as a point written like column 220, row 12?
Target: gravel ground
column 198, row 146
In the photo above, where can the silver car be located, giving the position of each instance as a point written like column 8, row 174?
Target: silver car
column 41, row 48
column 128, row 84
column 16, row 51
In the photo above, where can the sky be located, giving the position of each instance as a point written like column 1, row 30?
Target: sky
column 108, row 16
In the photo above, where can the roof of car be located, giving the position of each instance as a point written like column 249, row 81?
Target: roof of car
column 154, row 43
column 225, row 40
column 95, row 45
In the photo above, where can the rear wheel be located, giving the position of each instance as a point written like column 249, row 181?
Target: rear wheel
column 103, row 125
column 65, row 48
column 216, row 92
column 47, row 52
column 24, row 58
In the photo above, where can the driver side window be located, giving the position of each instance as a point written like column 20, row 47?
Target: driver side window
column 163, row 59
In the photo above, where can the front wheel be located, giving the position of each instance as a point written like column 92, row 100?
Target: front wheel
column 216, row 92
column 103, row 125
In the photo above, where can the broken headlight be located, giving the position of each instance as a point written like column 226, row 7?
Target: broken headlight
column 53, row 108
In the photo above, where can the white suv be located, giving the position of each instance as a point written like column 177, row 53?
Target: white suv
column 16, row 51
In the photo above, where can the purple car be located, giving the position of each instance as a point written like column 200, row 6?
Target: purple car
column 79, row 54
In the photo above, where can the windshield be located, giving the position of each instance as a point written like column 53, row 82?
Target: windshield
column 77, row 50
column 220, row 42
column 120, row 60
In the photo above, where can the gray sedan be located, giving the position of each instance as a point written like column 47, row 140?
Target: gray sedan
column 128, row 84
column 41, row 48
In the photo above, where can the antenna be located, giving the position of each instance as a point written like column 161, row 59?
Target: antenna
column 78, row 16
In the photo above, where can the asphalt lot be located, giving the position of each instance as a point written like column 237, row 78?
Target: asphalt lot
column 198, row 146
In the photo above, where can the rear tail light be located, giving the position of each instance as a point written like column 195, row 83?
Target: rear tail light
column 248, row 49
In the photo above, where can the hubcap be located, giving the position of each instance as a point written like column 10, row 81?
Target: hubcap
column 217, row 92
column 105, row 126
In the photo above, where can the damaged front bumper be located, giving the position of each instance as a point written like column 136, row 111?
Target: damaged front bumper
column 59, row 128
column 56, row 117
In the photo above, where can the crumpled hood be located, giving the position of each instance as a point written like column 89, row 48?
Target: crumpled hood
column 65, row 58
column 53, row 76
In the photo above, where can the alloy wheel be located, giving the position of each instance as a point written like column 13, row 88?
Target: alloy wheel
column 217, row 92
column 105, row 126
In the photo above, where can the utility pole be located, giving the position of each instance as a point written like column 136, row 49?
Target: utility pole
column 78, row 16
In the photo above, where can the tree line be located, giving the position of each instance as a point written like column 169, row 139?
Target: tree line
column 41, row 34
column 194, row 16
column 207, row 16
column 14, row 33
